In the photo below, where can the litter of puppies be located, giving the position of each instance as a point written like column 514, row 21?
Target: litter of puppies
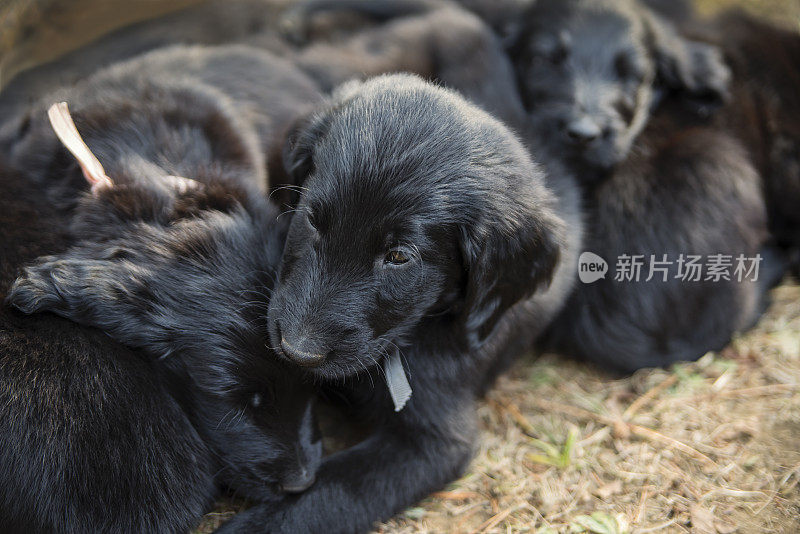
column 219, row 241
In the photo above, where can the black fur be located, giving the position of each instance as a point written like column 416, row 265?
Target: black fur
column 397, row 169
column 603, row 53
column 682, row 191
column 611, row 53
column 764, row 113
column 88, row 430
column 671, row 182
column 180, row 269
column 590, row 71
column 437, row 40
column 211, row 22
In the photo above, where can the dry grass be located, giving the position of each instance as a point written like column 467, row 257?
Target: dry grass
column 785, row 12
column 710, row 446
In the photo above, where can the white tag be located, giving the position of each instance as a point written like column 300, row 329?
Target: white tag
column 67, row 133
column 396, row 379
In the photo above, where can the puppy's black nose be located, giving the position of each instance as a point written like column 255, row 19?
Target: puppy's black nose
column 298, row 483
column 583, row 130
column 302, row 351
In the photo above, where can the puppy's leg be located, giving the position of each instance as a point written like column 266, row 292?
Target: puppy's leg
column 395, row 467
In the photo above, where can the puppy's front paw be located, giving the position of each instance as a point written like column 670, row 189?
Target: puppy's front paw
column 36, row 289
column 710, row 78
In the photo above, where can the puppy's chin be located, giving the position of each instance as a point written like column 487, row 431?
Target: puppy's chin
column 594, row 163
column 342, row 366
column 251, row 487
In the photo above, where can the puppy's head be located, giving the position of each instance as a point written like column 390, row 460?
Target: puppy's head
column 183, row 269
column 590, row 71
column 264, row 431
column 417, row 207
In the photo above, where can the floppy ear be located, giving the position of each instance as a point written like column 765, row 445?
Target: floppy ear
column 506, row 265
column 298, row 150
column 690, row 67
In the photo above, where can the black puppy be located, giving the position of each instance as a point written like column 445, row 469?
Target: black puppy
column 593, row 70
column 429, row 244
column 590, row 72
column 173, row 253
column 685, row 196
column 437, row 40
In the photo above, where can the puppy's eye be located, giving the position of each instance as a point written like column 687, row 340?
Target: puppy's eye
column 626, row 67
column 395, row 257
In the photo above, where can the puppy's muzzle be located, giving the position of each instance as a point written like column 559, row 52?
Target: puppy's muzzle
column 583, row 130
column 298, row 483
column 303, row 352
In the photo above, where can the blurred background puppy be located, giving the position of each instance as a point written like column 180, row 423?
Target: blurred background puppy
column 591, row 71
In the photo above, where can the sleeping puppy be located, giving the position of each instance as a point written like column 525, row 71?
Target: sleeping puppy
column 682, row 192
column 428, row 244
column 437, row 40
column 172, row 253
column 91, row 440
column 677, row 186
column 591, row 71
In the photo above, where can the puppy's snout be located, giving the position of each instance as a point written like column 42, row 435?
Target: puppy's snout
column 302, row 350
column 583, row 130
column 299, row 482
